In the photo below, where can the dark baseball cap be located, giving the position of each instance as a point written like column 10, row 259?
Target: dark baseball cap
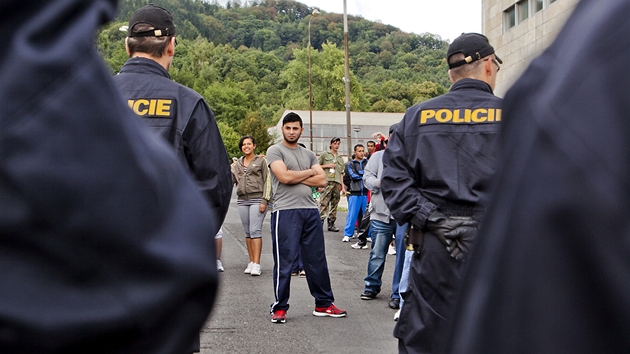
column 335, row 139
column 158, row 17
column 474, row 46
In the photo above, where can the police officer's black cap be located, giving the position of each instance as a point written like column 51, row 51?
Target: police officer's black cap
column 474, row 46
column 335, row 139
column 158, row 17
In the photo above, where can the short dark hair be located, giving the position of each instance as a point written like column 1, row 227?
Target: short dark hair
column 371, row 141
column 358, row 146
column 155, row 46
column 464, row 71
column 292, row 117
column 240, row 142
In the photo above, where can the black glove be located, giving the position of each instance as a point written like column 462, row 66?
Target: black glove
column 461, row 239
column 449, row 230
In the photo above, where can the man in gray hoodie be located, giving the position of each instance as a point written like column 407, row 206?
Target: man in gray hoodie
column 383, row 228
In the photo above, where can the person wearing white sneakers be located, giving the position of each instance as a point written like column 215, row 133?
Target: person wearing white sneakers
column 218, row 239
column 253, row 189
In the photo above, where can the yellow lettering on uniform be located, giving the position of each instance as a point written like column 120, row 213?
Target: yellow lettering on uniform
column 130, row 103
column 467, row 115
column 456, row 118
column 491, row 115
column 136, row 107
column 426, row 114
column 475, row 115
column 163, row 108
column 498, row 115
column 152, row 107
column 443, row 115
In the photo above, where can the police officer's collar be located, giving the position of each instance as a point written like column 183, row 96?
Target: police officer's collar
column 468, row 83
column 144, row 66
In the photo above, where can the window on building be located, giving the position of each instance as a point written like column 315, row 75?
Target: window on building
column 306, row 130
column 523, row 10
column 510, row 17
column 326, row 130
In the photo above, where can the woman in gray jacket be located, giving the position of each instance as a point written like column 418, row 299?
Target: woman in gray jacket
column 253, row 188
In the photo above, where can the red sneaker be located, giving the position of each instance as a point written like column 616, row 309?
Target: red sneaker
column 330, row 311
column 279, row 316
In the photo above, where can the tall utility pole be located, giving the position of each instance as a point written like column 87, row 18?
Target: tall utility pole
column 315, row 13
column 347, row 78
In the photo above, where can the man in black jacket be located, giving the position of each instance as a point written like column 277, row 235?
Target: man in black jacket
column 437, row 170
column 550, row 274
column 176, row 112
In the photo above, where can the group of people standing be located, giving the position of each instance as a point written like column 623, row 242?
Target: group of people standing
column 92, row 243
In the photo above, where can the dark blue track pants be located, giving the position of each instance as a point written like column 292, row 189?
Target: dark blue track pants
column 292, row 230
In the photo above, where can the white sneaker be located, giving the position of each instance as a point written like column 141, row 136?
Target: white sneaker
column 396, row 315
column 392, row 250
column 359, row 246
column 219, row 266
column 256, row 269
column 345, row 239
column 248, row 270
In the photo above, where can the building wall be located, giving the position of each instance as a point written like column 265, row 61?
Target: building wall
column 518, row 45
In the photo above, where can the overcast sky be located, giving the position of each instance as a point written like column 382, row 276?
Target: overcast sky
column 446, row 18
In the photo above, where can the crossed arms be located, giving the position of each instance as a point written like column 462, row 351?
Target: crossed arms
column 313, row 177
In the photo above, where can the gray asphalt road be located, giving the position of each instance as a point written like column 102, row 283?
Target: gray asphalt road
column 240, row 321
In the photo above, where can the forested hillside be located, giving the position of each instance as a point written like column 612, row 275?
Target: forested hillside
column 250, row 60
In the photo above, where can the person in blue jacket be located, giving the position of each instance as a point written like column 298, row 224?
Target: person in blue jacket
column 436, row 177
column 550, row 271
column 357, row 192
column 105, row 241
column 176, row 112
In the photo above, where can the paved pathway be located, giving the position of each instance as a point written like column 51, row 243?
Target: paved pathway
column 240, row 321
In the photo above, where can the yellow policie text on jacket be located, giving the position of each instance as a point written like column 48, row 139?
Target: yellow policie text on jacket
column 479, row 115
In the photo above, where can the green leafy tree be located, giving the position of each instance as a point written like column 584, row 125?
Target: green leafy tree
column 227, row 101
column 255, row 126
column 328, row 72
column 230, row 139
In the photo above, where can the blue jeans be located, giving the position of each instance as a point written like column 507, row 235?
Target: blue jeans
column 404, row 279
column 400, row 261
column 381, row 237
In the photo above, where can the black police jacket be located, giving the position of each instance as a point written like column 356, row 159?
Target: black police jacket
column 183, row 118
column 106, row 244
column 551, row 272
column 442, row 155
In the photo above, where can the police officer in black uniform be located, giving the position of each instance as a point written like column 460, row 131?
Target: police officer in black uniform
column 550, row 273
column 106, row 244
column 437, row 169
column 177, row 112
